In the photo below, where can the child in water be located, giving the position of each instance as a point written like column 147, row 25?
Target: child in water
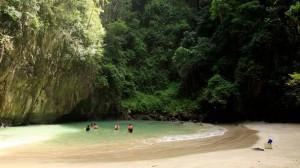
column 130, row 128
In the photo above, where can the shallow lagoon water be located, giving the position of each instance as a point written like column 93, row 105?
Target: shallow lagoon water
column 72, row 135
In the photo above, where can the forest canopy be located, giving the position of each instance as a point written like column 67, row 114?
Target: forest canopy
column 220, row 59
column 212, row 60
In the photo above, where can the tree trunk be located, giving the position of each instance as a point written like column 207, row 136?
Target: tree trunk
column 2, row 53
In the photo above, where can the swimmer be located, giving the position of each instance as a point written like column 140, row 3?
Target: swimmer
column 87, row 129
column 130, row 128
column 117, row 126
column 95, row 126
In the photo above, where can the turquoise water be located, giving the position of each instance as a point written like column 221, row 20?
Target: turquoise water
column 74, row 134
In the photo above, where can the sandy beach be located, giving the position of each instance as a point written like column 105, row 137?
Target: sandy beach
column 234, row 149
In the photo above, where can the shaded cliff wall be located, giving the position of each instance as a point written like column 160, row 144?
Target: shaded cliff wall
column 49, row 51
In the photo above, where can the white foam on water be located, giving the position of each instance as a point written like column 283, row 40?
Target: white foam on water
column 211, row 132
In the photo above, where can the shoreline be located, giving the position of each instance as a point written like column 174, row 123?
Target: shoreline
column 234, row 137
column 234, row 149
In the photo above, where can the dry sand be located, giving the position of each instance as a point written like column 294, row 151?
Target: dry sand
column 234, row 149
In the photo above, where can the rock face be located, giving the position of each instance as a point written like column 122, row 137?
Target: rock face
column 39, row 99
column 48, row 56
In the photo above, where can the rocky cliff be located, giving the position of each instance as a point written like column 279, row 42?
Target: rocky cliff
column 49, row 52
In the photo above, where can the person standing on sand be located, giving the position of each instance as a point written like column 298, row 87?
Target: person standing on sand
column 130, row 128
column 270, row 141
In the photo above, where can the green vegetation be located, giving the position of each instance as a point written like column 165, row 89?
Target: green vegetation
column 222, row 60
column 294, row 83
column 217, row 60
column 160, row 102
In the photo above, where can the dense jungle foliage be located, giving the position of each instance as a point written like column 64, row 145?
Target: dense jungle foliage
column 211, row 60
column 218, row 60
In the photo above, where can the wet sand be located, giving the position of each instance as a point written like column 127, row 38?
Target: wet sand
column 234, row 149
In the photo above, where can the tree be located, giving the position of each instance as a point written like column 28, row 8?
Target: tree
column 221, row 8
column 294, row 83
column 294, row 14
column 218, row 91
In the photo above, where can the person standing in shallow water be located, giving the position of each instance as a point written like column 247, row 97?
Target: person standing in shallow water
column 130, row 128
column 117, row 126
column 95, row 126
column 87, row 129
column 3, row 125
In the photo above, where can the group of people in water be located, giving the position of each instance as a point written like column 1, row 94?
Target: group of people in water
column 116, row 128
column 92, row 125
